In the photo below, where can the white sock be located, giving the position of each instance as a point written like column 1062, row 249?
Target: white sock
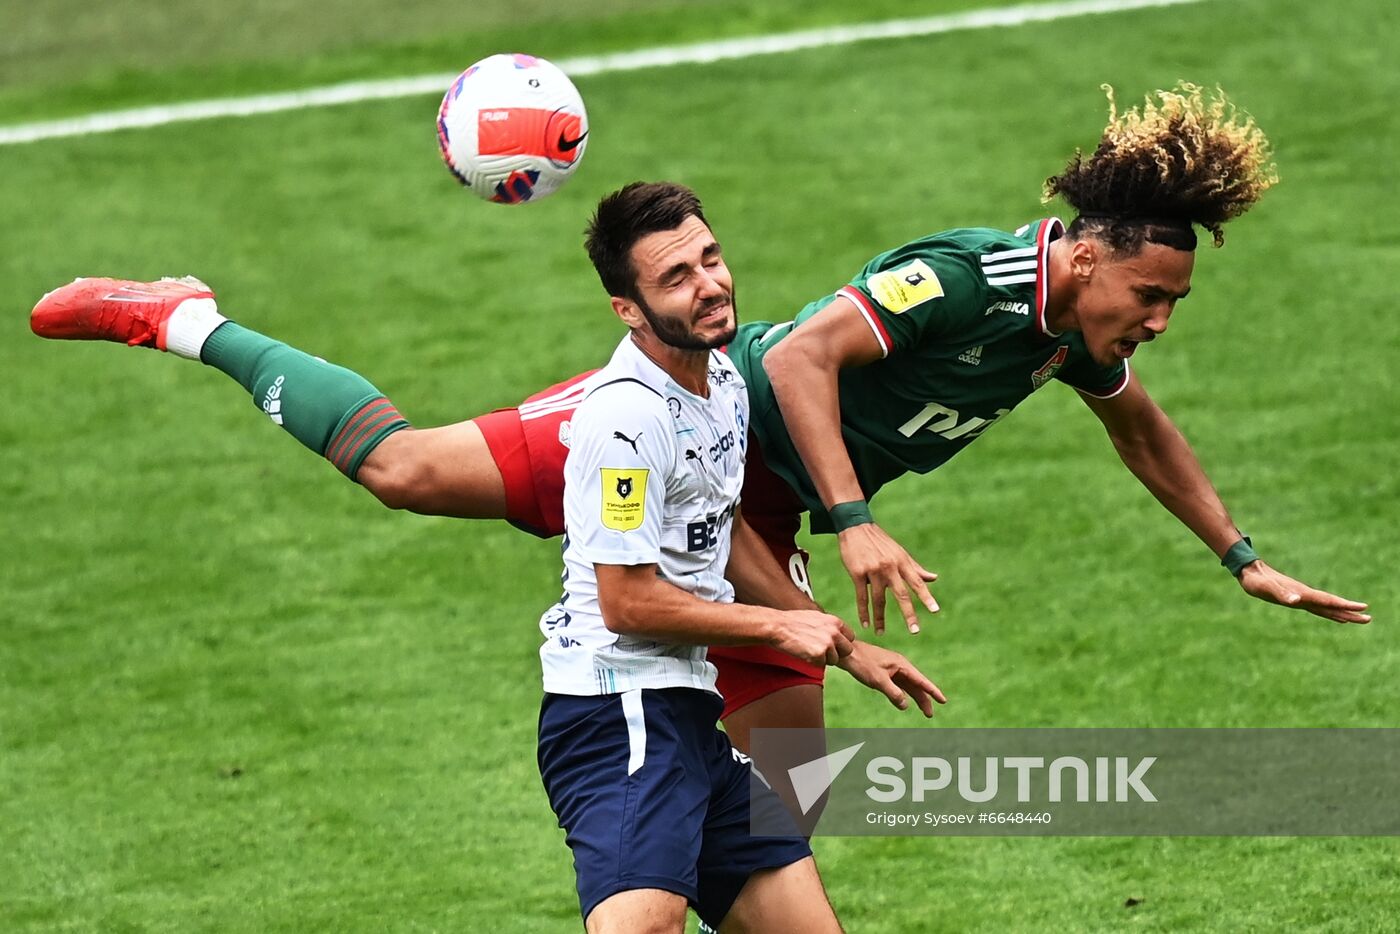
column 190, row 326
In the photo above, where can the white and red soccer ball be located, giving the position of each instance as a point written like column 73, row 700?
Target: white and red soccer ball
column 512, row 128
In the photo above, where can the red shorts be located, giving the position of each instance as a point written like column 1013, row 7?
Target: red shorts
column 527, row 444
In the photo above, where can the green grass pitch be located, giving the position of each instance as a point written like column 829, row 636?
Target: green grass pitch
column 237, row 695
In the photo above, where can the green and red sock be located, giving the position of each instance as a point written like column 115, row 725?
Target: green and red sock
column 333, row 411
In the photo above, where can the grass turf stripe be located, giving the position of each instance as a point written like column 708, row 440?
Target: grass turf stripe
column 660, row 57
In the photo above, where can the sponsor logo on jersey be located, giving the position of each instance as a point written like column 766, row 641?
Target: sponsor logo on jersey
column 1052, row 366
column 720, row 376
column 948, row 424
column 1015, row 308
column 898, row 290
column 972, row 355
column 624, row 498
column 674, row 405
column 703, row 534
column 722, row 446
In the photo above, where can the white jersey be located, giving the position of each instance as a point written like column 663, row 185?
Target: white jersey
column 652, row 477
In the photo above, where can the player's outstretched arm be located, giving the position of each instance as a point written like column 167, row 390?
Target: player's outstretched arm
column 332, row 410
column 803, row 369
column 1159, row 456
column 759, row 579
column 636, row 602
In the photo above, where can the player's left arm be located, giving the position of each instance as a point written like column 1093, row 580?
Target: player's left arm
column 757, row 577
column 1158, row 455
column 804, row 369
column 760, row 580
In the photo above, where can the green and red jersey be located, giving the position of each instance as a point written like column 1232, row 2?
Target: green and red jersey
column 960, row 320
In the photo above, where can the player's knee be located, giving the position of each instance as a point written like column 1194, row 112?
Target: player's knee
column 638, row 911
column 793, row 892
column 638, row 926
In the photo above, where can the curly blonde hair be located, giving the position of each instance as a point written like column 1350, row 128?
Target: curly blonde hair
column 1188, row 156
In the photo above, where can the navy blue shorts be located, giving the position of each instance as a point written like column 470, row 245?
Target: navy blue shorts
column 652, row 795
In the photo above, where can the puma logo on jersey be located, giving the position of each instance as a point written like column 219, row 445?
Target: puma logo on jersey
column 972, row 355
column 1015, row 308
column 619, row 436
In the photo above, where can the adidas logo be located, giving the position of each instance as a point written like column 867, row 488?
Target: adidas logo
column 1011, row 267
column 972, row 356
column 272, row 400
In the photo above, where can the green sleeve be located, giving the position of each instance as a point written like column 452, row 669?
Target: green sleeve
column 1084, row 374
column 918, row 292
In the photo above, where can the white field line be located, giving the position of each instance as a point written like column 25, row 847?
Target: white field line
column 663, row 56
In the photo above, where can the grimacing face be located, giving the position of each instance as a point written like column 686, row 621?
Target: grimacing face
column 684, row 289
column 1128, row 300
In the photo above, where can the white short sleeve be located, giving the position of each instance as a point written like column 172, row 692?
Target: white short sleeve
column 621, row 453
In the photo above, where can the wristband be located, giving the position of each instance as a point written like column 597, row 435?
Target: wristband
column 1238, row 555
column 849, row 515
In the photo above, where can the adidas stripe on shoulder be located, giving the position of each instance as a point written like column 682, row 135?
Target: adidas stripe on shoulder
column 1010, row 267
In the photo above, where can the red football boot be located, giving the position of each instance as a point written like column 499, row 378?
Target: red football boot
column 134, row 313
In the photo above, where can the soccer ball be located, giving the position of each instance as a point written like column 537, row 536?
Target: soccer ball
column 512, row 128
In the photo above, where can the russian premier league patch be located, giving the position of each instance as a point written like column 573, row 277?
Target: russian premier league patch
column 624, row 498
column 898, row 290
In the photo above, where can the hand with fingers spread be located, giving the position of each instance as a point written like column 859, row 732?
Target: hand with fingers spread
column 878, row 563
column 1260, row 580
column 893, row 675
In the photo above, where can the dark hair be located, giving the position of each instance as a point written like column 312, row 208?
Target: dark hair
column 1182, row 159
column 626, row 216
